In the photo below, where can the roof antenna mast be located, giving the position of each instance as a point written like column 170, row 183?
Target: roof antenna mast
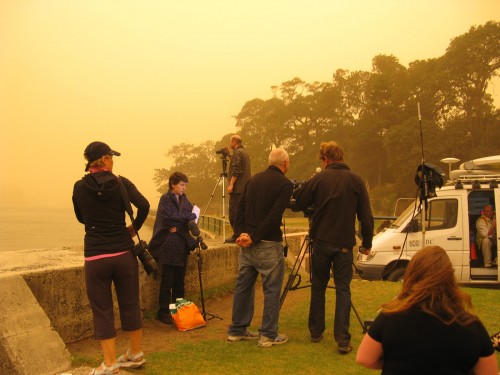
column 423, row 184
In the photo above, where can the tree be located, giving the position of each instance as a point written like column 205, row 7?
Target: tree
column 471, row 61
column 373, row 115
column 198, row 163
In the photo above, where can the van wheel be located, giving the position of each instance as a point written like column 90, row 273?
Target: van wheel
column 396, row 275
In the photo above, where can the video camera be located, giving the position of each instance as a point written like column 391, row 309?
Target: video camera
column 222, row 152
column 298, row 185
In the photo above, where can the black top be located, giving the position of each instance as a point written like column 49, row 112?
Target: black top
column 417, row 343
column 337, row 196
column 98, row 204
column 261, row 206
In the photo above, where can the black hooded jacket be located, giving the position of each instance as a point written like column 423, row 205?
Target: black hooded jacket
column 98, row 204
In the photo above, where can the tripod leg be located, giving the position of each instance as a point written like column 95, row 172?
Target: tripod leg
column 213, row 192
column 294, row 274
column 200, row 278
column 359, row 318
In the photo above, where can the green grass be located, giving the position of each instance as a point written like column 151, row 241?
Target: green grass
column 299, row 356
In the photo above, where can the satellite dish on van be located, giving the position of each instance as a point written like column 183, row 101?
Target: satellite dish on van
column 489, row 165
column 449, row 161
column 489, row 162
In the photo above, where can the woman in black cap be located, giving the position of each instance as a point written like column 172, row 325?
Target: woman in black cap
column 108, row 244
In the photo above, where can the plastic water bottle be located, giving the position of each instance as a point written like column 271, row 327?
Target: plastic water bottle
column 173, row 308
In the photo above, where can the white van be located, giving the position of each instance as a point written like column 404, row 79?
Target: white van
column 450, row 222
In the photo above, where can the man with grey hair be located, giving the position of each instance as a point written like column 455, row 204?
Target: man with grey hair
column 238, row 175
column 258, row 227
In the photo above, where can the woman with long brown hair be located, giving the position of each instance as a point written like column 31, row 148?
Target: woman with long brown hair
column 429, row 327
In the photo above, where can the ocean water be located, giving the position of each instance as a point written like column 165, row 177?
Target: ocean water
column 24, row 228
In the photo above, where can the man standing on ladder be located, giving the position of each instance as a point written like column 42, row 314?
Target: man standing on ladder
column 337, row 196
column 239, row 174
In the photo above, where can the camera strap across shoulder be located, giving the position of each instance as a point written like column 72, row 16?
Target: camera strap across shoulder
column 128, row 205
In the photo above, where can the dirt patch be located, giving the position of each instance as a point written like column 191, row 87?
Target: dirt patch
column 159, row 337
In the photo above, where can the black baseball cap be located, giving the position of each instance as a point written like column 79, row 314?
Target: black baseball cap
column 97, row 150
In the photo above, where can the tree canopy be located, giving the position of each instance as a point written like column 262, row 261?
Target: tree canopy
column 373, row 115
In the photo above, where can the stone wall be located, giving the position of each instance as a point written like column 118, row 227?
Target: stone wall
column 62, row 294
column 56, row 279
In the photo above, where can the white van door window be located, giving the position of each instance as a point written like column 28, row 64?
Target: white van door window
column 442, row 214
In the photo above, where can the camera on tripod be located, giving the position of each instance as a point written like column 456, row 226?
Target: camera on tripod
column 222, row 152
column 141, row 251
column 298, row 185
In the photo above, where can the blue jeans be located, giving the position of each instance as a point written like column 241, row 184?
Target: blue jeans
column 266, row 259
column 324, row 256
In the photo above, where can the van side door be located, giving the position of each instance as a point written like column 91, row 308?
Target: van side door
column 444, row 227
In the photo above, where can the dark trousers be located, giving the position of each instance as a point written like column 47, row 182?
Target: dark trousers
column 324, row 257
column 171, row 287
column 234, row 198
column 100, row 275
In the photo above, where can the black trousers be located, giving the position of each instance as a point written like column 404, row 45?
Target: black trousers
column 234, row 198
column 171, row 286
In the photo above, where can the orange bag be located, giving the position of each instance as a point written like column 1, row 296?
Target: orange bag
column 187, row 316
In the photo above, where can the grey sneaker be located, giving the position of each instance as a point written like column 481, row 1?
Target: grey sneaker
column 247, row 335
column 266, row 342
column 344, row 349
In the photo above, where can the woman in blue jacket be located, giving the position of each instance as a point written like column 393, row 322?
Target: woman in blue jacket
column 171, row 242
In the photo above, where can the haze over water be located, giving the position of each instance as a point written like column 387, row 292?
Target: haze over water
column 145, row 76
column 25, row 228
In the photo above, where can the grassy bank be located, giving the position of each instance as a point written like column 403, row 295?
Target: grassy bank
column 298, row 356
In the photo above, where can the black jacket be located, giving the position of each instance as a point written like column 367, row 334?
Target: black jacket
column 98, row 204
column 172, row 248
column 337, row 196
column 267, row 194
column 239, row 166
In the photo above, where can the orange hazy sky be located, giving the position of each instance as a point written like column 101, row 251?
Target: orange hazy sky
column 145, row 75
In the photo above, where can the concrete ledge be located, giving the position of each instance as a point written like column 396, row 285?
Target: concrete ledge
column 28, row 343
column 57, row 281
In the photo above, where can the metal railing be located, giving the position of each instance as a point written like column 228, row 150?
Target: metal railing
column 214, row 224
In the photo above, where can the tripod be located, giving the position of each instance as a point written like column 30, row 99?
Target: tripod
column 292, row 284
column 221, row 178
column 201, row 245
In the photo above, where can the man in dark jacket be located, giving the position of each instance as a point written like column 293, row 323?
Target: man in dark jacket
column 239, row 174
column 337, row 196
column 258, row 227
